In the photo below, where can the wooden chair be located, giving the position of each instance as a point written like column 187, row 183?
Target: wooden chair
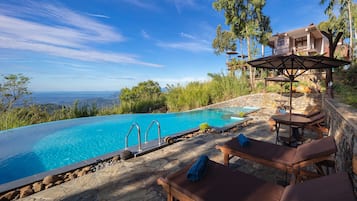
column 224, row 184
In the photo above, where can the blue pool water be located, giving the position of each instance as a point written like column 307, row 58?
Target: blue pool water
column 43, row 147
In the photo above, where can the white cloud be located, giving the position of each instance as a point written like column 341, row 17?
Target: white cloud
column 179, row 4
column 145, row 34
column 149, row 5
column 187, row 46
column 98, row 15
column 185, row 35
column 182, row 81
column 59, row 31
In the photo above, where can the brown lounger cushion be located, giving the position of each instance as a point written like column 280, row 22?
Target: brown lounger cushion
column 317, row 148
column 283, row 154
column 223, row 184
column 317, row 117
column 265, row 150
column 329, row 188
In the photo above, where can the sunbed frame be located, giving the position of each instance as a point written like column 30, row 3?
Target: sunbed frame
column 288, row 159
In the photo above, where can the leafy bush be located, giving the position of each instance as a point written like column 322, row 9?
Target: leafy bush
column 241, row 114
column 346, row 85
column 83, row 110
column 224, row 87
column 204, row 126
column 145, row 97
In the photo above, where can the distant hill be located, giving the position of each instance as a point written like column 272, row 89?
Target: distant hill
column 100, row 98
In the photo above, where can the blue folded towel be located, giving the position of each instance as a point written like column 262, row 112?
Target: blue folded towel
column 243, row 141
column 282, row 111
column 197, row 170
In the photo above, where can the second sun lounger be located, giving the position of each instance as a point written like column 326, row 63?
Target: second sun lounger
column 287, row 159
column 224, row 184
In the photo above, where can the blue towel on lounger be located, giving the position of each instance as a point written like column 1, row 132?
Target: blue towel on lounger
column 243, row 141
column 197, row 170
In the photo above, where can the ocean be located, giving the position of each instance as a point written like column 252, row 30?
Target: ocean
column 101, row 98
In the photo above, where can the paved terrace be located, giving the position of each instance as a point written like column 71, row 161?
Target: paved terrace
column 135, row 179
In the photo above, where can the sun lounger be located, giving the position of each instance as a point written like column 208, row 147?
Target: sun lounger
column 317, row 120
column 288, row 159
column 224, row 184
column 317, row 126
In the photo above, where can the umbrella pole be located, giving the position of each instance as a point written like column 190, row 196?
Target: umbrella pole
column 290, row 105
column 291, row 97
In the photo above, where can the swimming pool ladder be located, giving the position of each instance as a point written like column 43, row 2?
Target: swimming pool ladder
column 139, row 136
column 134, row 124
column 158, row 131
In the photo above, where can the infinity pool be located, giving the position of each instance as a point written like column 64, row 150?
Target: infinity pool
column 43, row 147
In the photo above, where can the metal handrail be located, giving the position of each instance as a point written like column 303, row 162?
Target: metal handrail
column 158, row 131
column 139, row 136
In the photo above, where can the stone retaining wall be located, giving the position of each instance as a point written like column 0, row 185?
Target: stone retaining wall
column 342, row 121
column 302, row 103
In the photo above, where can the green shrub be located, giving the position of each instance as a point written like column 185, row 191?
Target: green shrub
column 241, row 114
column 204, row 127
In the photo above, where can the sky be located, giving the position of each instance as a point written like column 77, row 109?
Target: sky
column 106, row 45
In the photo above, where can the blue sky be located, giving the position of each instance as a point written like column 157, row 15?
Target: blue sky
column 105, row 45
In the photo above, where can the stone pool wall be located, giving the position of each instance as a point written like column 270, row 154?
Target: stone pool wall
column 342, row 121
column 301, row 103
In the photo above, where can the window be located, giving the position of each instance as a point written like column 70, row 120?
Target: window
column 281, row 42
column 301, row 42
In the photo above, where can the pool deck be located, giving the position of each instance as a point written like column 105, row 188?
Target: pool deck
column 135, row 179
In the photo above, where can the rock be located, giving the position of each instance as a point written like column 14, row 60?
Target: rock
column 26, row 191
column 116, row 158
column 49, row 185
column 75, row 173
column 50, row 179
column 86, row 169
column 67, row 175
column 10, row 195
column 38, row 186
column 169, row 140
column 81, row 173
column 126, row 154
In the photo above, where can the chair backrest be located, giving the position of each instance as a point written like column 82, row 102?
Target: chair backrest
column 316, row 148
column 317, row 118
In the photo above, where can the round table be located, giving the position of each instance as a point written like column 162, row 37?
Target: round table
column 294, row 121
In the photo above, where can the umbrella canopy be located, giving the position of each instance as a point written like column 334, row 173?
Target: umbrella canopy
column 293, row 65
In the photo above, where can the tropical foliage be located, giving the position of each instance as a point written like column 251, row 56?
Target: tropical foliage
column 346, row 85
column 146, row 97
column 344, row 20
column 247, row 22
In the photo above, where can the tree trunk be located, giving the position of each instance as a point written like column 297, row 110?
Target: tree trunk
column 351, row 31
column 332, row 47
column 251, row 76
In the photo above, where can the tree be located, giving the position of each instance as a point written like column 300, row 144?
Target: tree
column 247, row 22
column 345, row 15
column 224, row 41
column 145, row 97
column 13, row 89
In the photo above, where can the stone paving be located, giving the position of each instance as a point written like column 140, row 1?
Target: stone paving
column 135, row 179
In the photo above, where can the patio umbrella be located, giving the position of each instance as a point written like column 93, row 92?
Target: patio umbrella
column 292, row 66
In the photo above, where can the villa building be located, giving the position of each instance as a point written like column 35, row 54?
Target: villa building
column 304, row 41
